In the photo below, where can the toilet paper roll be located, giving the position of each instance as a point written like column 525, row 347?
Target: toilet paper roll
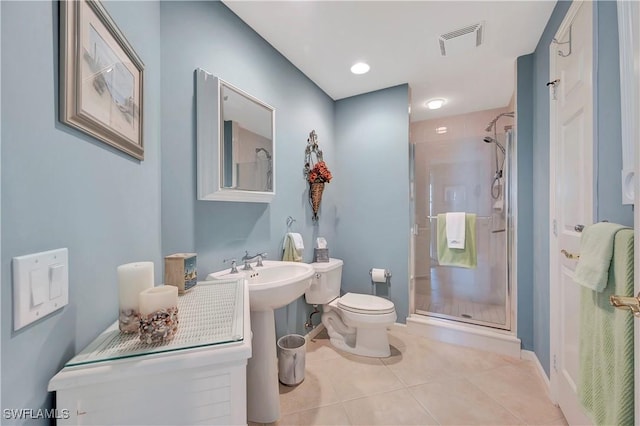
column 379, row 275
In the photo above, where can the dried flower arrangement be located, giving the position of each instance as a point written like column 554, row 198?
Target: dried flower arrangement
column 319, row 173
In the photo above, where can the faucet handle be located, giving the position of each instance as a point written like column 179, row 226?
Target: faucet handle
column 247, row 266
column 261, row 256
column 234, row 269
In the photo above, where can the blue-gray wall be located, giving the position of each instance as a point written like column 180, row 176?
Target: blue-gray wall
column 609, row 161
column 209, row 36
column 524, row 189
column 61, row 188
column 372, row 230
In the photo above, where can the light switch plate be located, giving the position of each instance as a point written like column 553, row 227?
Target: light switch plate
column 40, row 285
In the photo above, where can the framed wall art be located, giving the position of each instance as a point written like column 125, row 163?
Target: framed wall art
column 101, row 77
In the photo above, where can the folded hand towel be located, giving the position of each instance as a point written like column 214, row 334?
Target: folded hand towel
column 605, row 381
column 596, row 250
column 466, row 257
column 298, row 242
column 293, row 246
column 455, row 230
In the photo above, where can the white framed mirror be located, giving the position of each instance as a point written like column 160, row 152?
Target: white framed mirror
column 236, row 143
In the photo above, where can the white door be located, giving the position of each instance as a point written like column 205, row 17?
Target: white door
column 629, row 36
column 571, row 193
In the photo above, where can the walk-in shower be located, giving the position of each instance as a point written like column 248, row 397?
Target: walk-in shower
column 461, row 174
column 265, row 169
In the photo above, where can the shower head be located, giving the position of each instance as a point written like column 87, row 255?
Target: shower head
column 495, row 120
column 265, row 151
column 489, row 139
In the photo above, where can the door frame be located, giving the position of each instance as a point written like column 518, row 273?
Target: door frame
column 554, row 299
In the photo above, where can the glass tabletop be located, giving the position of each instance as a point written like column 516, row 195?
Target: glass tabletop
column 211, row 313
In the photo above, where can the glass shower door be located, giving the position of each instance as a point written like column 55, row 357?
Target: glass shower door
column 459, row 177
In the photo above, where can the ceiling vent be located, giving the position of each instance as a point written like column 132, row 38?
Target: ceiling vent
column 461, row 40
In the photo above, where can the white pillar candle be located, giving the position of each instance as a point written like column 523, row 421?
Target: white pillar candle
column 132, row 279
column 157, row 299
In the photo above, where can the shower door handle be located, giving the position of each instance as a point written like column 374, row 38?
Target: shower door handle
column 578, row 228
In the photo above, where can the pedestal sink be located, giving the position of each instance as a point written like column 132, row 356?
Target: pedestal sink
column 272, row 286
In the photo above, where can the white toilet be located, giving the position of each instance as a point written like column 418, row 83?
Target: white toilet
column 356, row 323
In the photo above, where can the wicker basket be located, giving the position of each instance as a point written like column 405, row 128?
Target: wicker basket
column 315, row 196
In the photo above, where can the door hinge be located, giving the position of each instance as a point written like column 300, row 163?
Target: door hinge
column 555, row 227
column 555, row 363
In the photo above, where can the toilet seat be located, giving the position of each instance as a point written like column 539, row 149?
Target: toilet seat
column 365, row 304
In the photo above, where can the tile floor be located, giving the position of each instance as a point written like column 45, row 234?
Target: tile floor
column 424, row 382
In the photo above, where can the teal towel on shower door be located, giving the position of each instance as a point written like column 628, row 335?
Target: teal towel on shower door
column 464, row 258
column 606, row 382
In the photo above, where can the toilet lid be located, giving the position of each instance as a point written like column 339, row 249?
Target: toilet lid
column 365, row 303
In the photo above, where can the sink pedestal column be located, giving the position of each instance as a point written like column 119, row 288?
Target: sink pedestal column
column 263, row 394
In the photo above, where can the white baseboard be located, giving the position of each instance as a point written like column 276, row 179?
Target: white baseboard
column 531, row 356
column 491, row 340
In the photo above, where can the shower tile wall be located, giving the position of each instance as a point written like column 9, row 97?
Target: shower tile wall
column 454, row 172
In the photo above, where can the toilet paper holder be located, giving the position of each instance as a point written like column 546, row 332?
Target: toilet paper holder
column 387, row 276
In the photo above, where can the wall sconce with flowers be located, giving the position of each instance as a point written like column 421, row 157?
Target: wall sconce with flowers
column 315, row 172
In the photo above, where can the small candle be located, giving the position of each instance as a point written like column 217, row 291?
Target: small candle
column 157, row 299
column 132, row 279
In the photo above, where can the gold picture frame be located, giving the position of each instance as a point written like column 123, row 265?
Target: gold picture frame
column 101, row 77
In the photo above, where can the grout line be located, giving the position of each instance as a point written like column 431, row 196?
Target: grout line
column 346, row 412
column 493, row 398
column 421, row 405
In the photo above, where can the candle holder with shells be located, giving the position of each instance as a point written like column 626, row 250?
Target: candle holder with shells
column 160, row 326
column 158, row 314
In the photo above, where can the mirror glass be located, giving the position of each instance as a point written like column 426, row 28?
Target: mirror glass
column 247, row 135
column 236, row 143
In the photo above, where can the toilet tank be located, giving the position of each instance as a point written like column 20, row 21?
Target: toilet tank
column 325, row 284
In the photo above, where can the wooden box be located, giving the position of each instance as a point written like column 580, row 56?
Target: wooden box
column 180, row 271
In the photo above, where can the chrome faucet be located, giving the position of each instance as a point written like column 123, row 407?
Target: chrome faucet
column 234, row 270
column 246, row 259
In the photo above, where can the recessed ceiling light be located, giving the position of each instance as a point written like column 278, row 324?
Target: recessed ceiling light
column 441, row 130
column 360, row 68
column 435, row 103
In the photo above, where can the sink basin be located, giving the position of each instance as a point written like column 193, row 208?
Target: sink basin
column 274, row 285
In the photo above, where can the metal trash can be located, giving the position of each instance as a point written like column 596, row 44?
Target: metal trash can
column 291, row 355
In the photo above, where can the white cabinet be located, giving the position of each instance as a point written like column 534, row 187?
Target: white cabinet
column 199, row 378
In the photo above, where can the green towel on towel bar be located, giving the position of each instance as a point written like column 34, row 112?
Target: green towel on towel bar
column 606, row 382
column 596, row 249
column 464, row 258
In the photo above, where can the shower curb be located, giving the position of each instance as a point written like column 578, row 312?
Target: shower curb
column 484, row 338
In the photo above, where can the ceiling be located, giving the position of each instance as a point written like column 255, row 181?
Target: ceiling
column 399, row 40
